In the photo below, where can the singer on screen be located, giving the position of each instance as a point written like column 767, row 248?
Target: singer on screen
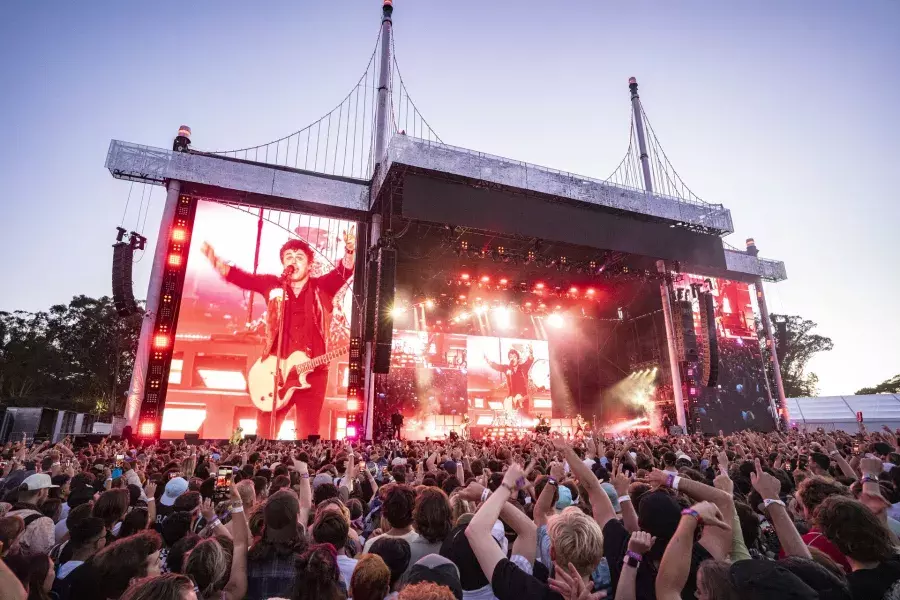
column 298, row 319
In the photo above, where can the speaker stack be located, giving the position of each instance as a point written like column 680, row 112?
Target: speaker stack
column 708, row 309
column 384, row 302
column 122, row 288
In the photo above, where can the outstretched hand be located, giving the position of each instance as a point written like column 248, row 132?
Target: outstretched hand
column 570, row 585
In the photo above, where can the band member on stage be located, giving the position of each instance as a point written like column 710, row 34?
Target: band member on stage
column 579, row 425
column 396, row 425
column 305, row 321
column 516, row 376
column 464, row 430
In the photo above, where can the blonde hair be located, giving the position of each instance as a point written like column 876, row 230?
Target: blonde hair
column 459, row 507
column 576, row 538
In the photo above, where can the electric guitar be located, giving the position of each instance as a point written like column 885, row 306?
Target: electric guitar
column 294, row 371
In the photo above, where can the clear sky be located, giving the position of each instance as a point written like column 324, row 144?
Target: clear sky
column 786, row 112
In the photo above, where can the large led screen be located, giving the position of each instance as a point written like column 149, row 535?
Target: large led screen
column 264, row 325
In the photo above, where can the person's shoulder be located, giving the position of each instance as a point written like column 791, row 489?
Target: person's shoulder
column 509, row 582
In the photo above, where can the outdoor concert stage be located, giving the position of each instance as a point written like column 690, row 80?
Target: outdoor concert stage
column 619, row 303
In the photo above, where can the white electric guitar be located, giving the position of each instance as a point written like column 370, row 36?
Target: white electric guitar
column 294, row 370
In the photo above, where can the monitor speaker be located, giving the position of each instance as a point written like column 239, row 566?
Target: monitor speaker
column 122, row 287
column 192, row 439
column 313, row 437
column 250, row 438
column 384, row 321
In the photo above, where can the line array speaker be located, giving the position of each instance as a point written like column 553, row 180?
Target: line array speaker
column 684, row 320
column 384, row 321
column 122, row 287
column 709, row 309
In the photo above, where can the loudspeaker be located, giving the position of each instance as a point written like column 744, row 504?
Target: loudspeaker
column 371, row 297
column 313, row 437
column 192, row 439
column 384, row 322
column 684, row 319
column 250, row 438
column 709, row 308
column 122, row 287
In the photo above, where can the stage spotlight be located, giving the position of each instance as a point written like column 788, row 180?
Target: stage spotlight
column 573, row 290
column 429, row 303
column 463, row 316
column 539, row 286
column 464, row 276
column 485, row 279
column 504, row 281
column 555, row 320
column 397, row 311
column 502, row 316
column 479, row 310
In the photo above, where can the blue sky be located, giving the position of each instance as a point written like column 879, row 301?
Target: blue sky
column 783, row 111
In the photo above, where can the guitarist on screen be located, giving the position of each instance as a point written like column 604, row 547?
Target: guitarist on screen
column 516, row 377
column 306, row 320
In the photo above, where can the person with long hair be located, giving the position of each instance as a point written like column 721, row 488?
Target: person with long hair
column 169, row 586
column 432, row 518
column 318, row 575
column 271, row 561
column 34, row 571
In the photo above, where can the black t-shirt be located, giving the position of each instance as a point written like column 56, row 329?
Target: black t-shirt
column 509, row 582
column 880, row 583
column 615, row 548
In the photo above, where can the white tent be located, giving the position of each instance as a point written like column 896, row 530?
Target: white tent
column 839, row 412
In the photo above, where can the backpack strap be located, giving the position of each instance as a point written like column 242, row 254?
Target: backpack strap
column 32, row 518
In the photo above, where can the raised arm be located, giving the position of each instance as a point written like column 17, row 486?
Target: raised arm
column 768, row 487
column 236, row 588
column 676, row 561
column 332, row 281
column 602, row 508
column 478, row 531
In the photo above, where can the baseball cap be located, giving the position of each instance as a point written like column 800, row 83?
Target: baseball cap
column 450, row 467
column 174, row 488
column 436, row 569
column 565, row 497
column 613, row 495
column 38, row 481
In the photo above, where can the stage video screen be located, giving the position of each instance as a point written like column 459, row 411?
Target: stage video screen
column 439, row 380
column 262, row 338
column 740, row 399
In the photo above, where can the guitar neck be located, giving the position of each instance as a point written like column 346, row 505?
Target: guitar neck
column 327, row 357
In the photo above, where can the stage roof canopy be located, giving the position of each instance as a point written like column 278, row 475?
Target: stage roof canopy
column 839, row 412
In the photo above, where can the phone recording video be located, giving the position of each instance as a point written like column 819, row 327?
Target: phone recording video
column 224, row 477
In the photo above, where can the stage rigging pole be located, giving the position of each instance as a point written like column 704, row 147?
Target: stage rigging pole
column 154, row 288
column 782, row 418
column 382, row 136
column 665, row 288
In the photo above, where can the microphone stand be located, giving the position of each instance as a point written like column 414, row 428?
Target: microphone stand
column 279, row 342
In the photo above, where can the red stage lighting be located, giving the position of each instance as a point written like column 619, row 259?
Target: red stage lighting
column 573, row 290
column 590, row 291
column 504, row 281
column 178, row 234
column 464, row 276
column 174, row 260
column 539, row 286
column 147, row 429
column 161, row 341
column 352, row 405
column 351, row 431
column 485, row 279
column 462, row 296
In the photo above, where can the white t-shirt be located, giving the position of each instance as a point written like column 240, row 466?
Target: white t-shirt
column 346, row 565
column 60, row 529
column 409, row 537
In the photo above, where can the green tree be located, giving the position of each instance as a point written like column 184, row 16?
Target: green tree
column 796, row 346
column 888, row 386
column 76, row 357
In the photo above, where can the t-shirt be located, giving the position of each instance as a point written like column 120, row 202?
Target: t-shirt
column 615, row 548
column 509, row 582
column 346, row 565
column 409, row 537
column 66, row 568
column 420, row 547
column 880, row 583
column 816, row 539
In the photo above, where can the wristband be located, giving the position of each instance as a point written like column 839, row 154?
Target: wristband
column 304, row 475
column 520, row 483
column 624, row 498
column 834, row 453
column 512, row 489
column 769, row 501
column 690, row 512
column 485, row 494
column 869, row 479
column 215, row 523
column 552, row 482
column 635, row 555
column 632, row 562
column 237, row 509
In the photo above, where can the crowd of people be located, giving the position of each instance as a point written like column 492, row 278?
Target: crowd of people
column 797, row 515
